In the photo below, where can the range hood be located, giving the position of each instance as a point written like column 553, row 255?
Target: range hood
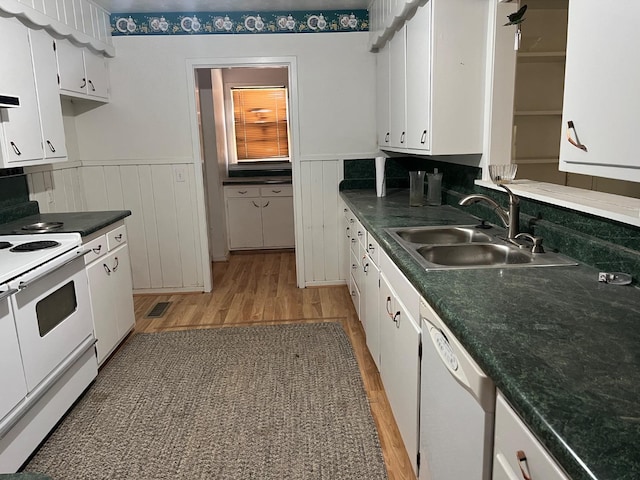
column 9, row 101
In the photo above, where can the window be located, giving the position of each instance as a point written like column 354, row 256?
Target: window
column 260, row 122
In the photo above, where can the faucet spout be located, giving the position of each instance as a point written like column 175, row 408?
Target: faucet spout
column 508, row 217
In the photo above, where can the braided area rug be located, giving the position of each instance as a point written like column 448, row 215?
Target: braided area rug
column 260, row 402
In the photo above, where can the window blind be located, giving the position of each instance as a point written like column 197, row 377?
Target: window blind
column 260, row 122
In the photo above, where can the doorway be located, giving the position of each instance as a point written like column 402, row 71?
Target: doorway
column 215, row 145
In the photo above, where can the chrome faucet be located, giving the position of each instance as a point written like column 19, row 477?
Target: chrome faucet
column 509, row 217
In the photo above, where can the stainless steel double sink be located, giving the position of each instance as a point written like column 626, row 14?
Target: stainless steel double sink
column 466, row 247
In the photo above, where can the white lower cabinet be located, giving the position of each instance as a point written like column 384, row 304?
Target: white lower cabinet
column 259, row 217
column 517, row 453
column 400, row 365
column 370, row 308
column 110, row 287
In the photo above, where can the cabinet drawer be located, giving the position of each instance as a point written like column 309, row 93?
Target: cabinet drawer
column 116, row 237
column 97, row 248
column 277, row 191
column 513, row 440
column 241, row 191
column 373, row 249
column 405, row 292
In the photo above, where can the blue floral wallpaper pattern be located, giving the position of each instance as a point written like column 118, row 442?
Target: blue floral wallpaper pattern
column 206, row 23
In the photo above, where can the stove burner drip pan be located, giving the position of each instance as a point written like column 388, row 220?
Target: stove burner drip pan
column 33, row 246
column 41, row 227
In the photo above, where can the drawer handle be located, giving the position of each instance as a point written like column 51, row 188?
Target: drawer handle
column 115, row 265
column 387, row 307
column 51, row 147
column 276, row 191
column 360, row 233
column 524, row 467
column 371, row 248
column 16, row 149
column 255, row 204
column 353, row 266
column 365, row 268
column 118, row 237
column 348, row 232
column 84, row 83
column 93, row 89
column 353, row 240
column 106, row 269
column 396, row 319
column 97, row 250
column 266, row 204
column 576, row 143
column 243, row 192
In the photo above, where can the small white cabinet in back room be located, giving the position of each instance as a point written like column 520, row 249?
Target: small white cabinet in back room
column 259, row 217
column 110, row 286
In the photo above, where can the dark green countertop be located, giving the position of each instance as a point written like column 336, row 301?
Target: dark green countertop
column 84, row 223
column 562, row 347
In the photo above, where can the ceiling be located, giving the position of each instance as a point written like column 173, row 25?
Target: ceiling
column 140, row 6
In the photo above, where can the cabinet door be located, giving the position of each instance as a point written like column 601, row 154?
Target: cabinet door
column 382, row 94
column 513, row 440
column 400, row 366
column 22, row 139
column 277, row 221
column 397, row 89
column 244, row 222
column 97, row 74
column 419, row 79
column 71, row 67
column 122, row 290
column 45, row 68
column 600, row 95
column 372, row 310
column 105, row 310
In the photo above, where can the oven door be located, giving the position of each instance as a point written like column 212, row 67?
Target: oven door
column 14, row 388
column 52, row 313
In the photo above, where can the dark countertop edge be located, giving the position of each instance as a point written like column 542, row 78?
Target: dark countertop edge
column 257, row 181
column 85, row 223
column 548, row 437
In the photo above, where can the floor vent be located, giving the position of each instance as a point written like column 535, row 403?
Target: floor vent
column 158, row 310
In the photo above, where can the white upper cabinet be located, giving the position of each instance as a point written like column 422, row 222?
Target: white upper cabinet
column 397, row 89
column 22, row 138
column 82, row 72
column 601, row 103
column 440, row 71
column 382, row 95
column 33, row 132
column 45, row 68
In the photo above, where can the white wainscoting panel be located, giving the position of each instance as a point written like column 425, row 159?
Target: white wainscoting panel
column 163, row 227
column 320, row 219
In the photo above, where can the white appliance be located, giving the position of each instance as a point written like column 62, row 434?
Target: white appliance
column 46, row 331
column 457, row 407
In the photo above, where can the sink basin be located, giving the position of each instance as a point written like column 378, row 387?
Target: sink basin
column 471, row 255
column 466, row 247
column 442, row 235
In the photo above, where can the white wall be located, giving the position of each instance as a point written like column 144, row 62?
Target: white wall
column 148, row 124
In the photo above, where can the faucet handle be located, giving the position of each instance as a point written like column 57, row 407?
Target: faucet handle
column 537, row 242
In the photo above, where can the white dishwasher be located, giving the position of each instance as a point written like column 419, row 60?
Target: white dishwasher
column 457, row 406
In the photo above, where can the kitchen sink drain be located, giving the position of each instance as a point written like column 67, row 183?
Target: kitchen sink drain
column 158, row 310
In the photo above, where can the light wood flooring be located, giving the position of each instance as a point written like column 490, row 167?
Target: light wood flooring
column 260, row 288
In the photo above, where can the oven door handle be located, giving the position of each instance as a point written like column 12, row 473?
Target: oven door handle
column 23, row 285
column 8, row 293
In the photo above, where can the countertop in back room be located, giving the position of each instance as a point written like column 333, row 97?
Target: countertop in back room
column 257, row 180
column 84, row 223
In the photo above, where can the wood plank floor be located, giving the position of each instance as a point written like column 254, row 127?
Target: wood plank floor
column 260, row 288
